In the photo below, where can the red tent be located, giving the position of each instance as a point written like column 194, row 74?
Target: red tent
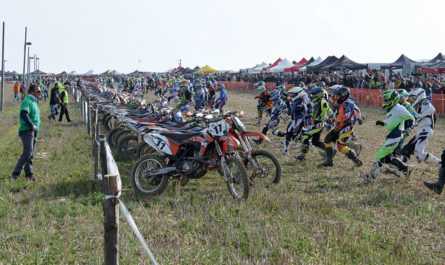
column 177, row 69
column 435, row 69
column 273, row 65
column 295, row 67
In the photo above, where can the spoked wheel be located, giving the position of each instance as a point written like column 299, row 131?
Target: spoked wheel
column 145, row 184
column 144, row 149
column 237, row 182
column 268, row 170
column 127, row 148
column 111, row 138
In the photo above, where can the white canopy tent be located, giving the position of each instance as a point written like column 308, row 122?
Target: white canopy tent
column 281, row 65
column 257, row 69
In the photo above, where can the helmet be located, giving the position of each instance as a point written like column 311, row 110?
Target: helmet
column 178, row 117
column 417, row 95
column 316, row 94
column 221, row 86
column 281, row 88
column 296, row 93
column 390, row 98
column 321, row 84
column 260, row 84
column 209, row 84
column 274, row 94
column 340, row 94
column 403, row 94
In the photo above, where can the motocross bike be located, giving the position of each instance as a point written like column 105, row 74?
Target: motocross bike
column 190, row 155
column 262, row 166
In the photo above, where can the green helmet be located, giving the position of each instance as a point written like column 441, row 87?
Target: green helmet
column 390, row 98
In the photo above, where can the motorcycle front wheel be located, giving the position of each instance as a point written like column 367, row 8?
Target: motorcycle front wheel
column 268, row 169
column 145, row 184
column 237, row 181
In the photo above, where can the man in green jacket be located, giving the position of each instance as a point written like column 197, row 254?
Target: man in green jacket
column 28, row 131
column 64, row 104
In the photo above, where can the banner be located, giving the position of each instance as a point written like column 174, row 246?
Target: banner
column 363, row 97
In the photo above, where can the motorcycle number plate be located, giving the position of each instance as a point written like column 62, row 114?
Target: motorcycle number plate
column 219, row 128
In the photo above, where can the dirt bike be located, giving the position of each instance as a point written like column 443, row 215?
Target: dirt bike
column 189, row 155
column 262, row 166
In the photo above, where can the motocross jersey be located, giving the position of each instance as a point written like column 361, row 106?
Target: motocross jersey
column 320, row 112
column 425, row 114
column 299, row 109
column 395, row 120
column 409, row 108
column 345, row 113
column 278, row 106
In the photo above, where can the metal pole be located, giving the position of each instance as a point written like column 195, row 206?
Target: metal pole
column 28, row 77
column 24, row 56
column 3, row 65
column 35, row 66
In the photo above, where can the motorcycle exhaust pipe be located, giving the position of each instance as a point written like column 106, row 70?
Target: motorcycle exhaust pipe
column 162, row 171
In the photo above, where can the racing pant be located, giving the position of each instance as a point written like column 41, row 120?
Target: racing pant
column 293, row 132
column 220, row 104
column 385, row 153
column 314, row 133
column 416, row 146
column 340, row 136
column 272, row 124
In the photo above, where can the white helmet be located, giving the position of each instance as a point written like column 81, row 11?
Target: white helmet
column 296, row 93
column 418, row 94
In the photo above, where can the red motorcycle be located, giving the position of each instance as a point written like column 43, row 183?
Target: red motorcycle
column 189, row 155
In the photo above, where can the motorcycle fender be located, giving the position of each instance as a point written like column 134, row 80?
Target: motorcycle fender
column 257, row 134
column 159, row 142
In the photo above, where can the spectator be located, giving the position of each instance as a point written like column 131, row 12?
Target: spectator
column 28, row 132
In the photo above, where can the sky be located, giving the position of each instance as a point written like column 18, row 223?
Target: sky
column 150, row 35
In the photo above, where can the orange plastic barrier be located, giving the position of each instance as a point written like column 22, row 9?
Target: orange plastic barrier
column 363, row 97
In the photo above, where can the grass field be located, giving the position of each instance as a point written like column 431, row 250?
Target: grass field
column 314, row 215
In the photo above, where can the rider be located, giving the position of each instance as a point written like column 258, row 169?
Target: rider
column 277, row 108
column 438, row 185
column 221, row 101
column 344, row 106
column 396, row 115
column 300, row 110
column 315, row 123
column 426, row 118
column 263, row 100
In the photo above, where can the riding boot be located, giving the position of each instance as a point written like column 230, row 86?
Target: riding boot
column 351, row 155
column 304, row 151
column 286, row 145
column 405, row 168
column 329, row 157
column 437, row 186
column 432, row 159
column 356, row 146
column 374, row 173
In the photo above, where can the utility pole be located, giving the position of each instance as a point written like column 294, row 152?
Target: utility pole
column 28, row 79
column 3, row 66
column 180, row 61
column 24, row 55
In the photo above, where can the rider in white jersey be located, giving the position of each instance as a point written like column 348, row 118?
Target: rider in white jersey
column 425, row 119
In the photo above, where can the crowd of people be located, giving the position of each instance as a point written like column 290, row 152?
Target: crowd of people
column 371, row 79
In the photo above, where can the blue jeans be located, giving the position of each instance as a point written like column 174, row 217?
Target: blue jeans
column 29, row 140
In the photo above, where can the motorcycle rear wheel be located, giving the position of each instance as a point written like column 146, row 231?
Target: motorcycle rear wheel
column 145, row 185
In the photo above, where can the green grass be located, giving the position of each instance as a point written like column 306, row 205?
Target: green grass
column 315, row 216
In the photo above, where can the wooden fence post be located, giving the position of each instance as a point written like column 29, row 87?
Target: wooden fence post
column 93, row 129
column 103, row 154
column 111, row 220
column 96, row 147
column 81, row 108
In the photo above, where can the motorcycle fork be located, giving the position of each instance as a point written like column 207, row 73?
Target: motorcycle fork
column 222, row 161
column 248, row 149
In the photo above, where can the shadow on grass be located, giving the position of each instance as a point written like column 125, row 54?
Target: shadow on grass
column 70, row 188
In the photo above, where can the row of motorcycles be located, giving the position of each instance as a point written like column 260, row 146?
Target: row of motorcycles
column 168, row 145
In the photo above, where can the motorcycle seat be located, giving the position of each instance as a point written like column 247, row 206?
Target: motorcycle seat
column 180, row 136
